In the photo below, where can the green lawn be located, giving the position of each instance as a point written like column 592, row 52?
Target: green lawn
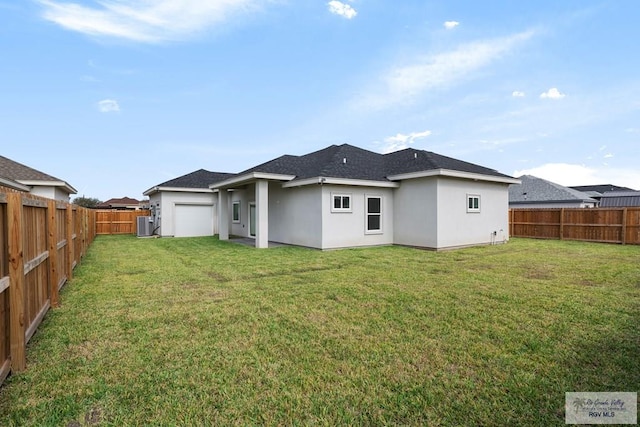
column 203, row 332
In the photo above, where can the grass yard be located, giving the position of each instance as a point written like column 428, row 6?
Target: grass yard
column 202, row 332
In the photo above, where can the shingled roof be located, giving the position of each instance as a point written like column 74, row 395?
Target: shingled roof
column 600, row 188
column 14, row 171
column 534, row 189
column 200, row 179
column 19, row 172
column 349, row 162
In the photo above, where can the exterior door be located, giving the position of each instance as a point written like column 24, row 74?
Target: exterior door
column 252, row 219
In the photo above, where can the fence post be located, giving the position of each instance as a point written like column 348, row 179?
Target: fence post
column 16, row 278
column 70, row 243
column 561, row 223
column 624, row 226
column 52, row 226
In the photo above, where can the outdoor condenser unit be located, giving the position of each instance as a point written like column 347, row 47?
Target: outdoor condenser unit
column 145, row 226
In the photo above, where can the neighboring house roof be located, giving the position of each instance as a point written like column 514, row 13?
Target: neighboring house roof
column 121, row 202
column 200, row 179
column 346, row 162
column 537, row 190
column 620, row 199
column 25, row 175
column 600, row 188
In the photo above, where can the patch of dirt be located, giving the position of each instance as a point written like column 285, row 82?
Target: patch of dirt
column 93, row 416
column 539, row 274
column 220, row 278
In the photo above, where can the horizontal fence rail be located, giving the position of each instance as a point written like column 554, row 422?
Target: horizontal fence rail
column 118, row 221
column 607, row 225
column 41, row 241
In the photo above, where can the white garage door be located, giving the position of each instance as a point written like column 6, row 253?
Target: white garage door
column 193, row 220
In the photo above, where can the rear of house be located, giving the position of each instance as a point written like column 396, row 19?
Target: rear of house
column 344, row 196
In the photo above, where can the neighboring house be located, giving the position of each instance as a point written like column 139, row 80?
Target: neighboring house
column 345, row 196
column 33, row 181
column 536, row 192
column 596, row 191
column 185, row 206
column 619, row 199
column 124, row 203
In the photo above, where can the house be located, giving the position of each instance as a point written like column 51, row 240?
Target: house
column 20, row 177
column 596, row 191
column 534, row 192
column 185, row 206
column 345, row 196
column 123, row 203
column 619, row 199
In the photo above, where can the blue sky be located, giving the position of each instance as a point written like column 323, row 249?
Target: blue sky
column 116, row 96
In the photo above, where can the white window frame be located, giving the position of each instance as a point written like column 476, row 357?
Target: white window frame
column 367, row 214
column 233, row 205
column 342, row 197
column 471, row 206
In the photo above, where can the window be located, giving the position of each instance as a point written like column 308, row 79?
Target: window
column 235, row 212
column 473, row 203
column 373, row 214
column 341, row 203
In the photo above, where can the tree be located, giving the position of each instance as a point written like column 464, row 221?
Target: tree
column 87, row 202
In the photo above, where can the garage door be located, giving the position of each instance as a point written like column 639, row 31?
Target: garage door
column 193, row 220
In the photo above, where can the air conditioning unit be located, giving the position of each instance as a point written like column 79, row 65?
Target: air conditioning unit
column 145, row 226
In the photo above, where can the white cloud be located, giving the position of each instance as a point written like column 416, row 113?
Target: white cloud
column 552, row 93
column 608, row 155
column 144, row 20
column 108, row 106
column 517, row 94
column 450, row 25
column 402, row 141
column 342, row 9
column 571, row 174
column 403, row 83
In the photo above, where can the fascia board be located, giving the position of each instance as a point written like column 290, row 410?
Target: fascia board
column 176, row 190
column 37, row 183
column 249, row 177
column 341, row 181
column 13, row 184
column 454, row 174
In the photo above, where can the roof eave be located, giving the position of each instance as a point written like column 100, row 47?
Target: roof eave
column 532, row 202
column 158, row 189
column 340, row 181
column 13, row 184
column 454, row 174
column 250, row 177
column 36, row 183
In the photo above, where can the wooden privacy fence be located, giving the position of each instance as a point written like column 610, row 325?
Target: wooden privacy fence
column 117, row 221
column 41, row 241
column 608, row 225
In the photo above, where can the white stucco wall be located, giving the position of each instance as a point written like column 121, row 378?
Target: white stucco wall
column 168, row 201
column 416, row 214
column 50, row 192
column 295, row 215
column 348, row 229
column 457, row 227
